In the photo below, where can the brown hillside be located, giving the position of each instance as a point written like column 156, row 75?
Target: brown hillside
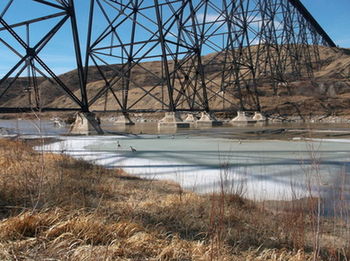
column 328, row 93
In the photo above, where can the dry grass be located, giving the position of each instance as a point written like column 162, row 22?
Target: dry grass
column 56, row 208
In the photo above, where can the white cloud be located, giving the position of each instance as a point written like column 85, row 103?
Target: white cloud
column 210, row 18
column 257, row 22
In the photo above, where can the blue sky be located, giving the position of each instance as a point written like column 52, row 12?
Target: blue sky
column 332, row 16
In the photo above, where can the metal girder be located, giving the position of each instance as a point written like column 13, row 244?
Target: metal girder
column 28, row 51
column 192, row 55
column 308, row 16
column 249, row 42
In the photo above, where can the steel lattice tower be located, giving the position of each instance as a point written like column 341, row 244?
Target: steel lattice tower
column 207, row 50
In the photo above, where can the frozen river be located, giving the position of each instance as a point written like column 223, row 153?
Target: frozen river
column 207, row 160
column 265, row 169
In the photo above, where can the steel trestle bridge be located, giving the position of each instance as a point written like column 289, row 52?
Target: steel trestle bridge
column 193, row 55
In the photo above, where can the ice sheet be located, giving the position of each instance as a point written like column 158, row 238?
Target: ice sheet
column 260, row 169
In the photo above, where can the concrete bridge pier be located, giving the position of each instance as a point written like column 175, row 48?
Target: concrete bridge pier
column 242, row 118
column 172, row 120
column 86, row 123
column 259, row 117
column 207, row 120
column 190, row 119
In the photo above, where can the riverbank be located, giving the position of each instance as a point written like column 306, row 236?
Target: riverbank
column 54, row 206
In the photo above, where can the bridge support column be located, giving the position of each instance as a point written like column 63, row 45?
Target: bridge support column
column 259, row 117
column 242, row 118
column 86, row 123
column 206, row 120
column 190, row 119
column 172, row 120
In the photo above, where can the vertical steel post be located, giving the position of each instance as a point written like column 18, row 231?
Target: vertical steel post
column 88, row 41
column 164, row 57
column 82, row 80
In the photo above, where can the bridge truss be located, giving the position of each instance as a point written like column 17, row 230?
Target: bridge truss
column 171, row 55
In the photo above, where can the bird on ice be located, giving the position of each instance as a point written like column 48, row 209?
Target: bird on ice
column 132, row 149
column 118, row 144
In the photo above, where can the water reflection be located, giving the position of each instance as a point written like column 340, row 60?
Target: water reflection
column 250, row 131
